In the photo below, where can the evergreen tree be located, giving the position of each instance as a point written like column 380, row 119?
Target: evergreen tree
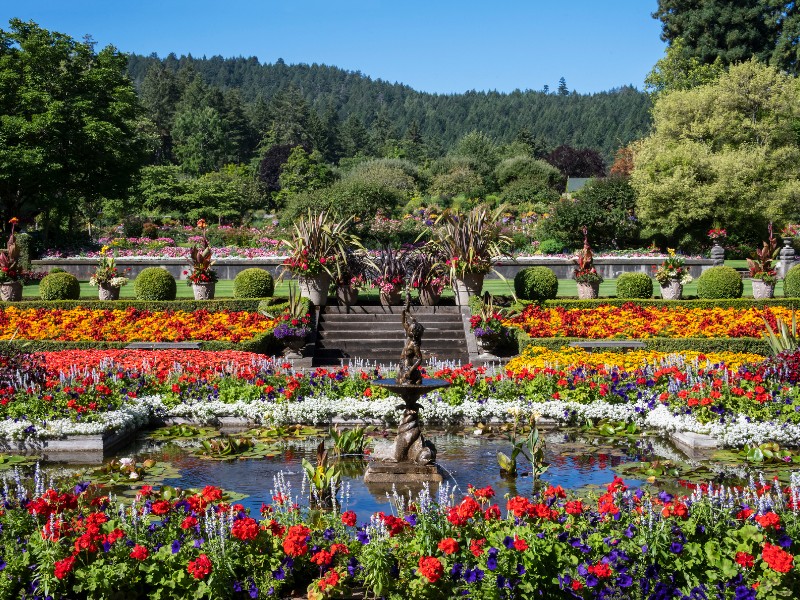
column 563, row 90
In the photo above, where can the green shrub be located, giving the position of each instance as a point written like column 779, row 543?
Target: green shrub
column 791, row 284
column 634, row 285
column 253, row 283
column 155, row 283
column 719, row 282
column 551, row 246
column 536, row 283
column 56, row 270
column 59, row 286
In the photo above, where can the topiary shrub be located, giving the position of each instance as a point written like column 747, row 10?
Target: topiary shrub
column 56, row 270
column 253, row 283
column 59, row 286
column 536, row 283
column 791, row 284
column 634, row 285
column 719, row 282
column 155, row 283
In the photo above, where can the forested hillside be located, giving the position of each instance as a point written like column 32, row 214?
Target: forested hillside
column 604, row 121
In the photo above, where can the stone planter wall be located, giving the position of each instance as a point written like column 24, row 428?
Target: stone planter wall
column 228, row 268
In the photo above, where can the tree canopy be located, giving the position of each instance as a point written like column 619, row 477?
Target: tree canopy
column 71, row 131
column 721, row 154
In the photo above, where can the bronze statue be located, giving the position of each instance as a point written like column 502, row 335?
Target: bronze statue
column 411, row 357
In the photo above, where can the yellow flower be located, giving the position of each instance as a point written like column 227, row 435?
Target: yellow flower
column 671, row 251
column 104, row 249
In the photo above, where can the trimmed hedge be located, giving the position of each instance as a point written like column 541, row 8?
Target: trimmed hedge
column 751, row 345
column 59, row 286
column 187, row 305
column 253, row 283
column 536, row 283
column 155, row 283
column 791, row 283
column 718, row 283
column 634, row 285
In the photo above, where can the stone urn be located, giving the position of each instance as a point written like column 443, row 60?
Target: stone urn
column 428, row 296
column 293, row 346
column 108, row 292
column 588, row 291
column 11, row 291
column 672, row 290
column 347, row 295
column 467, row 285
column 204, row 291
column 393, row 298
column 487, row 344
column 762, row 290
column 315, row 288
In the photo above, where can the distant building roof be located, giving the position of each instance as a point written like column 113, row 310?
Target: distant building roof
column 576, row 183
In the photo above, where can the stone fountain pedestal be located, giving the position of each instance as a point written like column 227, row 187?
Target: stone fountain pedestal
column 412, row 458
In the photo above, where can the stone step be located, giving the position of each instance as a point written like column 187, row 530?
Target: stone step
column 344, row 329
column 334, row 357
column 388, row 319
column 368, row 345
column 390, row 310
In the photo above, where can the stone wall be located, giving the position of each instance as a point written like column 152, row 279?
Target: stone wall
column 228, row 268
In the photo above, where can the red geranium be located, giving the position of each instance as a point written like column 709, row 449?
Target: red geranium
column 245, row 529
column 779, row 560
column 744, row 559
column 448, row 546
column 139, row 552
column 349, row 518
column 296, row 542
column 431, row 568
column 200, row 567
column 63, row 567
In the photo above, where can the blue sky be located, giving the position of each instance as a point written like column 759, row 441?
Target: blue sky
column 441, row 46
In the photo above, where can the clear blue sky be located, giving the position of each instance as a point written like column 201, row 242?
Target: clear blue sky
column 432, row 45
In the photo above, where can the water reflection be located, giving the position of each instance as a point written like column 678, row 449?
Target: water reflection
column 464, row 459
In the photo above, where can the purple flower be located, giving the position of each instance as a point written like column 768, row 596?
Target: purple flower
column 508, row 542
column 785, row 541
column 676, row 547
column 362, row 537
column 280, row 575
column 491, row 562
column 411, row 520
column 624, row 581
column 81, row 487
column 473, row 575
column 329, row 534
column 456, row 571
column 176, row 546
column 744, row 592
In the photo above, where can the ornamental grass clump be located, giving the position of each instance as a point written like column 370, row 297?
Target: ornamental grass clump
column 471, row 241
column 318, row 244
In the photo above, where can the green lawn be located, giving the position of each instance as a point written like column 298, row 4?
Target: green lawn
column 566, row 287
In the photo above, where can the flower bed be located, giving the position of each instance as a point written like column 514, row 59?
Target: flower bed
column 741, row 403
column 634, row 321
column 77, row 542
column 83, row 324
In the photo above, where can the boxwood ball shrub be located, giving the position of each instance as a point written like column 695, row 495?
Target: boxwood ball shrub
column 719, row 282
column 536, row 283
column 155, row 283
column 59, row 286
column 253, row 283
column 634, row 285
column 791, row 284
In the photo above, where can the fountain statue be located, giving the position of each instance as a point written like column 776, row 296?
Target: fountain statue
column 412, row 456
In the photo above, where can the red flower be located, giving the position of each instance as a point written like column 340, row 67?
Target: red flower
column 139, row 552
column 493, row 512
column 600, row 570
column 519, row 505
column 768, row 520
column 574, row 507
column 323, row 558
column 200, row 567
column 448, row 546
column 485, row 492
column 744, row 559
column 188, row 522
column 476, row 547
column 431, row 568
column 63, row 567
column 520, row 544
column 161, row 507
column 778, row 560
column 296, row 540
column 349, row 518
column 245, row 529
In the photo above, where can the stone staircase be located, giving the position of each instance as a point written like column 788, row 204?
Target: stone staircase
column 375, row 333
